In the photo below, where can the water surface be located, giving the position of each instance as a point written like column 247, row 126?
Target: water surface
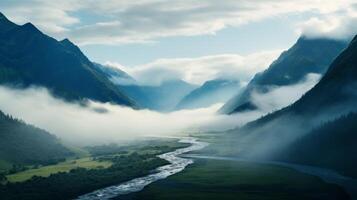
column 177, row 164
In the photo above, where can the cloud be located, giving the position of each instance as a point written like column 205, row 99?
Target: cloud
column 50, row 16
column 341, row 24
column 117, row 22
column 104, row 123
column 280, row 97
column 99, row 123
column 200, row 69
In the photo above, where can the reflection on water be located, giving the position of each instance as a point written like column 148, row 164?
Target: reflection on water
column 176, row 165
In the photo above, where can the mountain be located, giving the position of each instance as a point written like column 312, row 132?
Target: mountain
column 335, row 95
column 304, row 57
column 211, row 92
column 163, row 97
column 28, row 57
column 23, row 144
column 331, row 146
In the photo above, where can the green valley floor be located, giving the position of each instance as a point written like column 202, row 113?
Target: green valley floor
column 231, row 180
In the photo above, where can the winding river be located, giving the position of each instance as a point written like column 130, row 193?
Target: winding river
column 177, row 164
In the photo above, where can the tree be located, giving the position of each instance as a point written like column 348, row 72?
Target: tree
column 2, row 178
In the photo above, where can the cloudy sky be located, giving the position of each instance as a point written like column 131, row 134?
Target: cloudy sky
column 190, row 39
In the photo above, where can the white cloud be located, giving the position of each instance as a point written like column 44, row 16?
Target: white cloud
column 116, row 22
column 50, row 16
column 280, row 97
column 341, row 24
column 200, row 69
column 103, row 123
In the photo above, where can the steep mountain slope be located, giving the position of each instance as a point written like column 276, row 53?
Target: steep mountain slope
column 211, row 92
column 306, row 56
column 23, row 144
column 29, row 57
column 332, row 146
column 333, row 96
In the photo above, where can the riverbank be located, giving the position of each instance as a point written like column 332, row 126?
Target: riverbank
column 129, row 161
column 177, row 164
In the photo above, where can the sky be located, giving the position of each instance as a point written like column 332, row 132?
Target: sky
column 174, row 38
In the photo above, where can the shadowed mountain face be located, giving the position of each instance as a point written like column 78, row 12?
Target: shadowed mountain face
column 333, row 96
column 29, row 57
column 22, row 144
column 211, row 92
column 306, row 56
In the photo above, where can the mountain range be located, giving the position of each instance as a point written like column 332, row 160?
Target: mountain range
column 304, row 57
column 287, row 131
column 28, row 57
column 211, row 92
column 162, row 97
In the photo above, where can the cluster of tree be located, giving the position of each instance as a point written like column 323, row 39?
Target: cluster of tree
column 106, row 149
column 2, row 178
column 23, row 144
column 141, row 146
column 80, row 181
column 332, row 145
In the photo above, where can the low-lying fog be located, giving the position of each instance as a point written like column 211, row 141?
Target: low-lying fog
column 104, row 122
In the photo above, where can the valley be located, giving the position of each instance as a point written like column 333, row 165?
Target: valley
column 220, row 179
column 178, row 100
column 106, row 166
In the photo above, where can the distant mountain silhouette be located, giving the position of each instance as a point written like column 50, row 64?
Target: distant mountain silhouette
column 30, row 58
column 163, row 97
column 211, row 92
column 306, row 56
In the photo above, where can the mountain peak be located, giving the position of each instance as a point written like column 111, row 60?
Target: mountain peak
column 67, row 41
column 30, row 27
column 5, row 23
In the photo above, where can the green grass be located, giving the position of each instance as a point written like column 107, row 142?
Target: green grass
column 79, row 152
column 4, row 166
column 230, row 180
column 66, row 166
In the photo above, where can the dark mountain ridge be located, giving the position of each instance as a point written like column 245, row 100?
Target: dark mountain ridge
column 30, row 58
column 304, row 57
column 333, row 96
